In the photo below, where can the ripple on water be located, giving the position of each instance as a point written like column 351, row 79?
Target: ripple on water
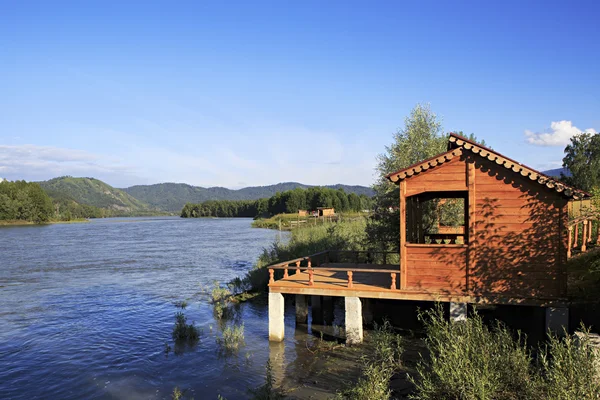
column 87, row 308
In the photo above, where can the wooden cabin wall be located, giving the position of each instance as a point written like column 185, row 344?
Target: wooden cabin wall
column 439, row 268
column 518, row 247
column 450, row 176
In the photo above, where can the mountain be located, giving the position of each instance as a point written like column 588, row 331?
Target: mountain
column 556, row 172
column 173, row 196
column 93, row 192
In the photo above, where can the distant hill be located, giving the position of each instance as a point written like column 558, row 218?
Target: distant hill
column 556, row 172
column 173, row 196
column 93, row 192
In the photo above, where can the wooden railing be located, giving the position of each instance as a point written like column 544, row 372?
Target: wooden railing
column 445, row 238
column 320, row 261
column 580, row 234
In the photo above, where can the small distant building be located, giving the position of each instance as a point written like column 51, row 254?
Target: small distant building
column 302, row 213
column 325, row 211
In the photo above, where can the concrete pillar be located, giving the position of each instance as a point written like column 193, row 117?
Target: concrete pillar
column 367, row 311
column 316, row 305
column 327, row 310
column 354, row 322
column 458, row 312
column 557, row 320
column 301, row 309
column 276, row 323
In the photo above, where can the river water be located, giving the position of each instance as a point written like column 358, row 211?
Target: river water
column 86, row 310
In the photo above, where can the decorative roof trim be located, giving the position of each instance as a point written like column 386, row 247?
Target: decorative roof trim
column 458, row 144
column 457, row 141
column 424, row 165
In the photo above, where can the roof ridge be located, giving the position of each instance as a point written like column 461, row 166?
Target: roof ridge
column 456, row 144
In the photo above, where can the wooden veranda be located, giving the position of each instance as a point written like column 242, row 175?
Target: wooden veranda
column 510, row 247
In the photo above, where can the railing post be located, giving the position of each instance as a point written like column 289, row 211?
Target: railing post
column 590, row 233
column 583, row 238
column 285, row 271
column 309, row 263
column 271, row 276
column 393, row 286
column 576, row 237
column 350, row 285
column 297, row 267
column 311, row 278
column 569, row 242
column 598, row 238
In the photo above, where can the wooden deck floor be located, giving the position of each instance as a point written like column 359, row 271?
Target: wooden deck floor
column 377, row 285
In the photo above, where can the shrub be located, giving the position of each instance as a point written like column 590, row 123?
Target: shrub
column 374, row 384
column 467, row 360
column 570, row 368
column 221, row 300
column 184, row 331
column 231, row 339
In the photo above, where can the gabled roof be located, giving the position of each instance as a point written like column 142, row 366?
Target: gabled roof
column 457, row 145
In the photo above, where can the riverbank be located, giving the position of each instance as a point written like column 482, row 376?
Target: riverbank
column 292, row 221
column 26, row 223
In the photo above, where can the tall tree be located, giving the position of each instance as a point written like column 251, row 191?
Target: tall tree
column 422, row 137
column 582, row 158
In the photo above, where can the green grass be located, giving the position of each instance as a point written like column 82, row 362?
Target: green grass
column 347, row 235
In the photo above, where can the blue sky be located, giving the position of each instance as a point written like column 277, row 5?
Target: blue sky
column 253, row 93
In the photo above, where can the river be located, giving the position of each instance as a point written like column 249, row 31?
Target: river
column 87, row 309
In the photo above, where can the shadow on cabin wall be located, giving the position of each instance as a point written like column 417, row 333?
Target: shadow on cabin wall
column 516, row 249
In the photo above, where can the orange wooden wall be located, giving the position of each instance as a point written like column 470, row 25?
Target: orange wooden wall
column 516, row 241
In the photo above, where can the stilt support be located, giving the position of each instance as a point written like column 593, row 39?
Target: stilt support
column 301, row 309
column 367, row 311
column 557, row 320
column 354, row 321
column 458, row 312
column 276, row 324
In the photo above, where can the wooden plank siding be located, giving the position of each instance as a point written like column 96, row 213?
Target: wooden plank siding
column 436, row 267
column 452, row 174
column 516, row 249
column 515, row 244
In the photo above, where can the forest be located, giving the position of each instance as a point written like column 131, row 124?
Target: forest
column 289, row 201
column 22, row 201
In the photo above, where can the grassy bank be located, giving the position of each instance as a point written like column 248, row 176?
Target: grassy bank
column 304, row 241
column 23, row 223
column 289, row 221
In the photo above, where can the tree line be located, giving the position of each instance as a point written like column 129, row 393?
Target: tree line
column 29, row 202
column 24, row 201
column 289, row 202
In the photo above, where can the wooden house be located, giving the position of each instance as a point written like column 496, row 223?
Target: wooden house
column 325, row 211
column 515, row 244
column 511, row 248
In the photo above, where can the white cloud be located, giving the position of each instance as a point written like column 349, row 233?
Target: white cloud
column 559, row 134
column 32, row 162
